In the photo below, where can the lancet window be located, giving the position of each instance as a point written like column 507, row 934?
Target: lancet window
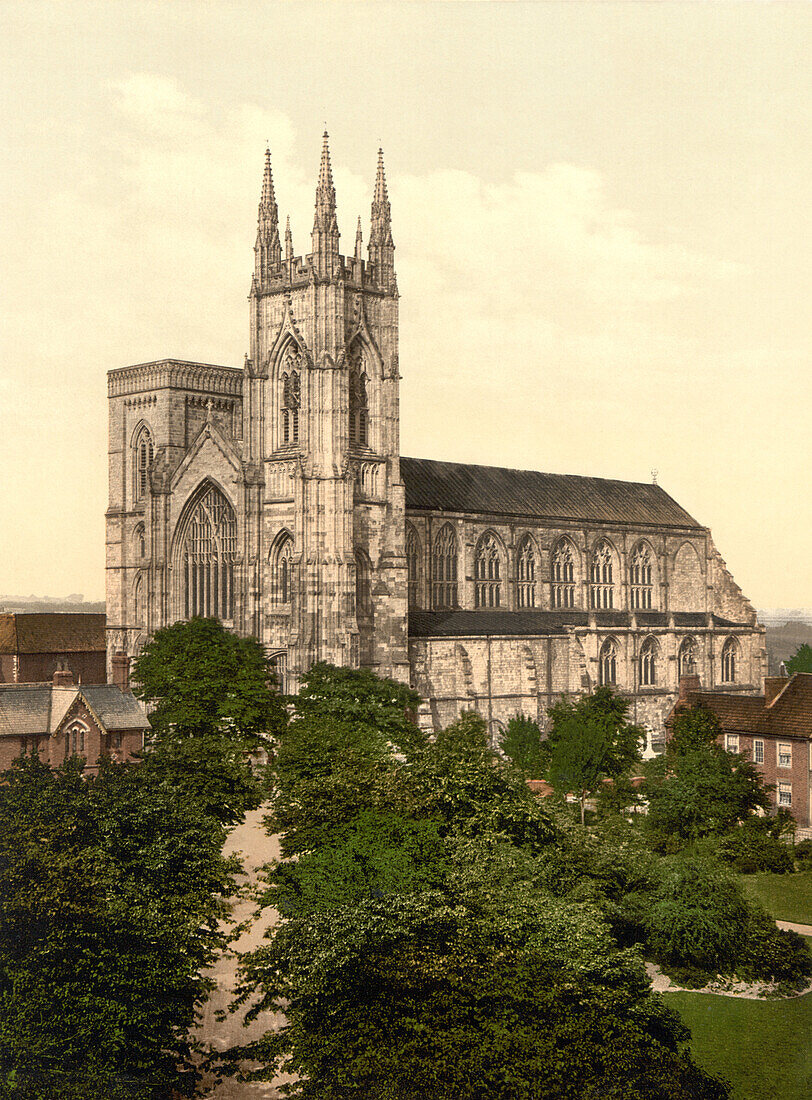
column 488, row 592
column 648, row 663
column 291, row 394
column 563, row 574
column 686, row 658
column 601, row 589
column 143, row 454
column 729, row 661
column 640, row 578
column 607, row 662
column 413, row 564
column 208, row 553
column 75, row 739
column 526, row 574
column 359, row 403
column 139, row 602
column 444, row 568
column 282, row 569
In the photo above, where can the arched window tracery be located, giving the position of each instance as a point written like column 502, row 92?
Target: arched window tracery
column 488, row 573
column 729, row 661
column 640, row 578
column 563, row 575
column 413, row 564
column 526, row 574
column 282, row 569
column 291, row 395
column 648, row 663
column 207, row 554
column 687, row 658
column 601, row 588
column 444, row 568
column 359, row 400
column 143, row 454
column 607, row 662
column 75, row 739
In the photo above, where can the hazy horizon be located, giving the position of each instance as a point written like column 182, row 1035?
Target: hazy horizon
column 601, row 214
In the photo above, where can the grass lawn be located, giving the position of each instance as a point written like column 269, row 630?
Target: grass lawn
column 785, row 897
column 762, row 1047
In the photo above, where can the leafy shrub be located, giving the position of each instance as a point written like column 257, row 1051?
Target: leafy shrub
column 803, row 854
column 749, row 849
column 772, row 953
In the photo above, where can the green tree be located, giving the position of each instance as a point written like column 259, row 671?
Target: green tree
column 111, row 902
column 211, row 704
column 800, row 661
column 589, row 740
column 522, row 745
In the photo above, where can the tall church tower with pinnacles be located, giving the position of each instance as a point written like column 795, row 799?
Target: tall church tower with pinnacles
column 274, row 498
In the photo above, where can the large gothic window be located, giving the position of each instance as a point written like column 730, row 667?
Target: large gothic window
column 640, row 578
column 206, row 558
column 488, row 592
column 291, row 395
column 526, row 574
column 686, row 658
column 143, row 454
column 359, row 402
column 563, row 576
column 607, row 662
column 729, row 654
column 413, row 564
column 444, row 569
column 648, row 663
column 601, row 588
column 282, row 569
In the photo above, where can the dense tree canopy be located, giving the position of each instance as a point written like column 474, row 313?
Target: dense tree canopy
column 522, row 745
column 800, row 661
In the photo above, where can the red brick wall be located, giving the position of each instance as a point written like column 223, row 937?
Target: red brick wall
column 90, row 666
column 798, row 775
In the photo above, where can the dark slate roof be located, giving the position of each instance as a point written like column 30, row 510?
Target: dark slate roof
column 116, row 709
column 788, row 715
column 51, row 632
column 31, row 709
column 468, row 624
column 461, row 487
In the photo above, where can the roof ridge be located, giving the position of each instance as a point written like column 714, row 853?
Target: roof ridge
column 544, row 473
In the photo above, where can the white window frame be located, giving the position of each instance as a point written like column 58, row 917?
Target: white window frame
column 783, row 745
column 732, row 742
column 758, row 751
column 784, row 794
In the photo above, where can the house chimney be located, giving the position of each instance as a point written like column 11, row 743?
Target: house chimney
column 689, row 681
column 773, row 686
column 120, row 665
column 63, row 677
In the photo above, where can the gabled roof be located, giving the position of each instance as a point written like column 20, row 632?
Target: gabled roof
column 468, row 624
column 28, row 710
column 115, row 709
column 788, row 715
column 51, row 632
column 461, row 487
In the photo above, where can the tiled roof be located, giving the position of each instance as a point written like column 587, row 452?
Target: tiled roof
column 461, row 487
column 467, row 624
column 51, row 632
column 789, row 714
column 30, row 709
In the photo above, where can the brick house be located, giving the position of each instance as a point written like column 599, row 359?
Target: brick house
column 61, row 718
column 33, row 646
column 774, row 730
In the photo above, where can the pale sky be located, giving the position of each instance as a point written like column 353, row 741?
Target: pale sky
column 601, row 214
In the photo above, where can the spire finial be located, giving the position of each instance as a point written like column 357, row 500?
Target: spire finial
column 359, row 237
column 288, row 240
column 325, row 225
column 381, row 245
column 268, row 249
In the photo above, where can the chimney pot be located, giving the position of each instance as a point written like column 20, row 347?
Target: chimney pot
column 120, row 668
column 63, row 677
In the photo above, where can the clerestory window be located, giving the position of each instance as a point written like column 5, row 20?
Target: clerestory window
column 526, row 574
column 601, row 589
column 444, row 569
column 488, row 591
column 563, row 576
column 640, row 579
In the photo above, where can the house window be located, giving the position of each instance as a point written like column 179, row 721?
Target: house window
column 607, row 662
column 640, row 574
column 784, row 794
column 526, row 575
column 207, row 555
column 601, row 592
column 758, row 752
column 488, row 573
column 563, row 571
column 732, row 742
column 75, row 739
column 282, row 569
column 291, row 392
column 359, row 406
column 444, row 568
column 784, row 756
column 412, row 563
column 686, row 658
column 729, row 661
column 648, row 663
column 143, row 453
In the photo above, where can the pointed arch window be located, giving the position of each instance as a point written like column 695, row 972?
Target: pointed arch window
column 526, row 574
column 640, row 578
column 75, row 739
column 686, row 658
column 648, row 663
column 139, row 602
column 359, row 401
column 563, row 574
column 601, row 588
column 291, row 396
column 607, row 662
column 140, row 541
column 412, row 564
column 444, row 569
column 729, row 655
column 143, row 454
column 207, row 554
column 488, row 568
column 282, row 569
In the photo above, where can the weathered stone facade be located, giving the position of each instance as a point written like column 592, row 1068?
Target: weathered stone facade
column 274, row 497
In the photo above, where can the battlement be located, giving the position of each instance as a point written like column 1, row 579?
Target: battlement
column 179, row 374
column 300, row 270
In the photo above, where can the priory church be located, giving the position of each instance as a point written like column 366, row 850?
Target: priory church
column 274, row 497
